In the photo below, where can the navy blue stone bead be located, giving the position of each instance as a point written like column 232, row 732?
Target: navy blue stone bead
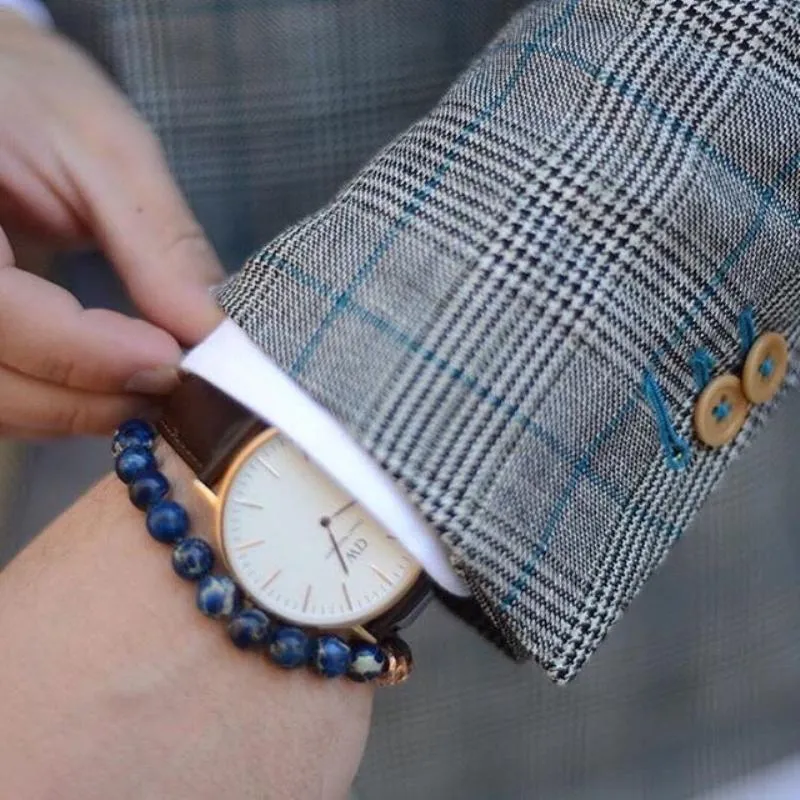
column 367, row 662
column 249, row 628
column 192, row 559
column 330, row 656
column 289, row 647
column 218, row 596
column 167, row 521
column 148, row 489
column 133, row 462
column 134, row 432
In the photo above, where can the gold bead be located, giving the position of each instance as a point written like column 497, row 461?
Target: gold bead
column 400, row 663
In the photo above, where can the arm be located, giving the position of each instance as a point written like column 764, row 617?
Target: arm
column 115, row 686
column 79, row 166
column 511, row 306
column 506, row 307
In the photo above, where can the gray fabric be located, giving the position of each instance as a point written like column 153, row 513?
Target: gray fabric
column 266, row 107
column 697, row 685
column 699, row 682
column 600, row 195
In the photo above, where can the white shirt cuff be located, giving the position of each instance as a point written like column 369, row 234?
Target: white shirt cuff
column 235, row 365
column 33, row 10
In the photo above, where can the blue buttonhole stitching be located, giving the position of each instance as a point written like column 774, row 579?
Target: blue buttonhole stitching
column 702, row 367
column 747, row 330
column 676, row 450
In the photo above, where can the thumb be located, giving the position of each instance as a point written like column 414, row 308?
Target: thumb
column 145, row 227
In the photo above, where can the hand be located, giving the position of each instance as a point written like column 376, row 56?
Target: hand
column 77, row 166
column 98, row 702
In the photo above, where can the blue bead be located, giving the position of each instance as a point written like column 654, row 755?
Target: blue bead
column 134, row 432
column 330, row 656
column 167, row 521
column 367, row 662
column 148, row 489
column 192, row 559
column 289, row 647
column 249, row 628
column 767, row 367
column 218, row 596
column 133, row 462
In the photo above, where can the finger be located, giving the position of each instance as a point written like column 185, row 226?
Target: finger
column 6, row 253
column 148, row 231
column 45, row 333
column 34, row 205
column 28, row 403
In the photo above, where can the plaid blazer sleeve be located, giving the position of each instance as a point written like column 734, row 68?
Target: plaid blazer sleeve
column 509, row 305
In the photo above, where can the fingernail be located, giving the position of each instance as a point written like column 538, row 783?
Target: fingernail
column 158, row 380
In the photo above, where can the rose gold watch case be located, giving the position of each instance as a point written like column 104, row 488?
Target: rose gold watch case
column 382, row 621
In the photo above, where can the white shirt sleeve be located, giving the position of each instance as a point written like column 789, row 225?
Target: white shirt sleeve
column 232, row 362
column 33, row 10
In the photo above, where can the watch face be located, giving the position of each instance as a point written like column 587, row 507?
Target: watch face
column 300, row 547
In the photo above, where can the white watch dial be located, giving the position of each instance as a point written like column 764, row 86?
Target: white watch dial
column 300, row 547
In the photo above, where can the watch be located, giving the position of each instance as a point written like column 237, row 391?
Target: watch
column 298, row 546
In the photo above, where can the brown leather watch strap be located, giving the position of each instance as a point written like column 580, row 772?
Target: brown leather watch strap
column 205, row 427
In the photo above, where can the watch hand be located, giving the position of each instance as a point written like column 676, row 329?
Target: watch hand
column 342, row 510
column 326, row 523
column 347, row 536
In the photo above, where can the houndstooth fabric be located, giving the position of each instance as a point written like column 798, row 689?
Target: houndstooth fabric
column 601, row 193
column 599, row 196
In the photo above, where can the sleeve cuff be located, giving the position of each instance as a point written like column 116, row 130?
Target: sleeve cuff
column 229, row 360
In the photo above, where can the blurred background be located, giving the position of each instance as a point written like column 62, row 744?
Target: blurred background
column 265, row 110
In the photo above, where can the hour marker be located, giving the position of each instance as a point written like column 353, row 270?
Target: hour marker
column 382, row 575
column 347, row 596
column 269, row 467
column 248, row 545
column 250, row 503
column 359, row 630
column 308, row 597
column 275, row 575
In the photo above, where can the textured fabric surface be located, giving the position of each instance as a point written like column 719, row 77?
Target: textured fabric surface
column 699, row 683
column 603, row 191
column 701, row 679
column 600, row 195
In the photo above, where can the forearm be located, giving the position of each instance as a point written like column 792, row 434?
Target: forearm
column 504, row 307
column 114, row 685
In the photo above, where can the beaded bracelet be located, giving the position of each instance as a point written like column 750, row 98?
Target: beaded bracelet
column 219, row 597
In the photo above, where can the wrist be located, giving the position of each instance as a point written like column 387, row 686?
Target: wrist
column 126, row 683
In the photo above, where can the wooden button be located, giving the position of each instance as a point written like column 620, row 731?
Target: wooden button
column 765, row 367
column 720, row 411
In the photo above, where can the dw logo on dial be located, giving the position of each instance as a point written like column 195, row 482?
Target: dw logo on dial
column 355, row 550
